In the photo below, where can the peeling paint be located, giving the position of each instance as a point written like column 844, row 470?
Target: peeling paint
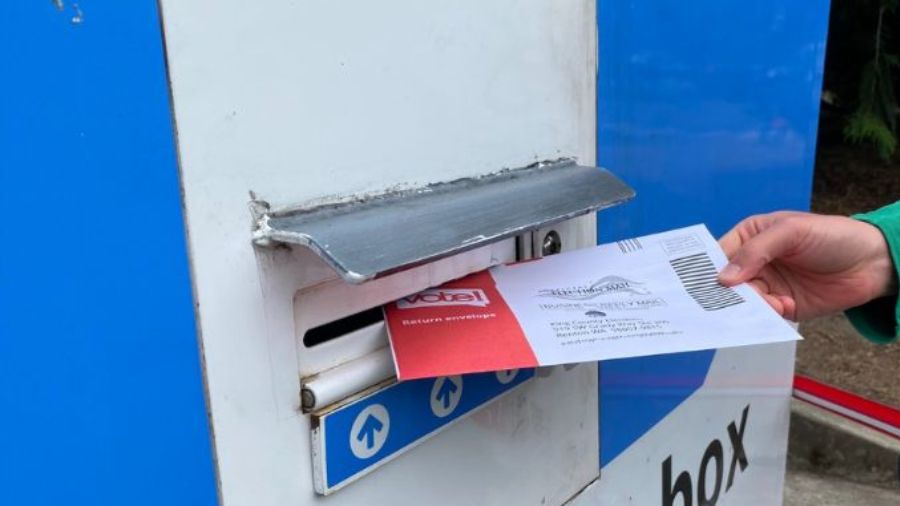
column 410, row 189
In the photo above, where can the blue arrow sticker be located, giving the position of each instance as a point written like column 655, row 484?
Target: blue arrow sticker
column 356, row 438
column 369, row 428
column 369, row 431
column 444, row 393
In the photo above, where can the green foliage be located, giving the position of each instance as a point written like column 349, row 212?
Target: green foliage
column 867, row 127
column 875, row 119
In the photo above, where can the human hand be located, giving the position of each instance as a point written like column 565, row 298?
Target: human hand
column 807, row 265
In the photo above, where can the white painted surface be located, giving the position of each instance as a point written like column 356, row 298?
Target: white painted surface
column 301, row 100
column 758, row 376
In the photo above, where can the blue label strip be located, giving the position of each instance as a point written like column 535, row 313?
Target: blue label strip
column 363, row 434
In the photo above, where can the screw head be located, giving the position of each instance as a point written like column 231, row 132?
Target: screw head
column 307, row 399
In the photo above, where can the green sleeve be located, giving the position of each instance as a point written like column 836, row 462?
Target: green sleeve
column 879, row 320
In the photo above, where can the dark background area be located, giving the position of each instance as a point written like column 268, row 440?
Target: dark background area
column 851, row 178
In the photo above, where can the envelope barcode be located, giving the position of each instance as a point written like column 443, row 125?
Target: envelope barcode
column 698, row 276
column 629, row 245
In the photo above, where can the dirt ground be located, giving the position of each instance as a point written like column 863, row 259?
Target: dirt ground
column 850, row 180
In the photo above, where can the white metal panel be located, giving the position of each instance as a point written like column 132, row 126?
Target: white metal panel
column 758, row 376
column 301, row 99
column 298, row 100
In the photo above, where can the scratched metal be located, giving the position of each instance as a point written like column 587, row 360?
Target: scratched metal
column 379, row 236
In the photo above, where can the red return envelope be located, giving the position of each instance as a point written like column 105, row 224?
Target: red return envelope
column 461, row 326
column 646, row 296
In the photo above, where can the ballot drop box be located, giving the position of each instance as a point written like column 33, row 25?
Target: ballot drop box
column 336, row 156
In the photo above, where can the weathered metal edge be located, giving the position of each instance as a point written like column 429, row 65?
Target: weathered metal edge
column 265, row 235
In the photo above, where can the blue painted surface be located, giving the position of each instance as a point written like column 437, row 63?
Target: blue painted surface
column 637, row 393
column 710, row 112
column 411, row 418
column 101, row 397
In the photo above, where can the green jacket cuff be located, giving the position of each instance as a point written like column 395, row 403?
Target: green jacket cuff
column 879, row 320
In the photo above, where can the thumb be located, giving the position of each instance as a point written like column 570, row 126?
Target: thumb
column 758, row 251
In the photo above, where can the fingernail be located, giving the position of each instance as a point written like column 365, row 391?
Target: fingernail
column 731, row 271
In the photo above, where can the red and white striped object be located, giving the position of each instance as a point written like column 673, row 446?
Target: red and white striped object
column 866, row 411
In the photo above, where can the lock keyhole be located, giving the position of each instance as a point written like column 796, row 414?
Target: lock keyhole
column 552, row 243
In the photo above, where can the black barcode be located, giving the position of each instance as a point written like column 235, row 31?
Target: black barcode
column 698, row 275
column 629, row 245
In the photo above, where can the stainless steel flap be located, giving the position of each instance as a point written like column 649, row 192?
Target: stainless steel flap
column 373, row 237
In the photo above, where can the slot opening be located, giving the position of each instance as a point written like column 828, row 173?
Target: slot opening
column 337, row 328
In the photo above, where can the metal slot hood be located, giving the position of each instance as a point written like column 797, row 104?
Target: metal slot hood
column 373, row 237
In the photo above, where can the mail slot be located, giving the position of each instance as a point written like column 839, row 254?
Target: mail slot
column 361, row 418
